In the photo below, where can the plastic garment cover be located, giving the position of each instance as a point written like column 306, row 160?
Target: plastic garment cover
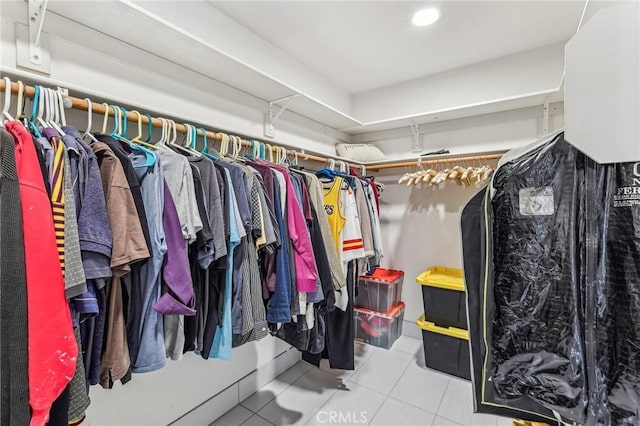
column 560, row 308
column 613, row 291
column 474, row 250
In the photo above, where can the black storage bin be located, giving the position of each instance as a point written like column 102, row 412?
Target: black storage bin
column 443, row 297
column 446, row 349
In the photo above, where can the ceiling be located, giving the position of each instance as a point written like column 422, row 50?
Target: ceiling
column 364, row 45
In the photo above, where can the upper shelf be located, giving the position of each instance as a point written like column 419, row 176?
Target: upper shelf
column 192, row 51
column 197, row 51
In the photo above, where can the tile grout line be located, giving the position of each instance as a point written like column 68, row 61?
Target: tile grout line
column 264, row 419
column 400, row 377
column 300, row 378
column 335, row 391
column 443, row 395
column 449, row 420
column 413, row 405
column 378, row 410
column 275, row 396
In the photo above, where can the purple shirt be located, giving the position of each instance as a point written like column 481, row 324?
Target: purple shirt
column 179, row 299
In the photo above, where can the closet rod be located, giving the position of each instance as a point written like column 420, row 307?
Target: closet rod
column 96, row 108
column 433, row 161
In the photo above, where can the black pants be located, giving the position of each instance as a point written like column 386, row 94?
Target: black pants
column 338, row 346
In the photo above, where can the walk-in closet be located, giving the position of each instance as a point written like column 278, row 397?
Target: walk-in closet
column 275, row 213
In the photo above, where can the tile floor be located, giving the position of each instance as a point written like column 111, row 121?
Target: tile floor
column 387, row 388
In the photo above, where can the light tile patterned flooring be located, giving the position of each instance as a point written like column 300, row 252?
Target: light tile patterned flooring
column 387, row 388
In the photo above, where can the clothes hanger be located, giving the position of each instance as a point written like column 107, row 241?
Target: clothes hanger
column 206, row 151
column 137, row 140
column 42, row 99
column 60, row 117
column 177, row 147
column 7, row 101
column 106, row 118
column 192, row 134
column 224, row 144
column 138, row 144
column 163, row 129
column 121, row 136
column 269, row 152
column 328, row 172
column 87, row 133
column 33, row 125
column 20, row 103
column 263, row 150
column 149, row 128
column 237, row 147
column 116, row 121
column 47, row 111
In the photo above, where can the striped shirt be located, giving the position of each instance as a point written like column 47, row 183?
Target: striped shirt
column 57, row 196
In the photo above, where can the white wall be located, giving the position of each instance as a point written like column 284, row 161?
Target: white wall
column 421, row 227
column 528, row 73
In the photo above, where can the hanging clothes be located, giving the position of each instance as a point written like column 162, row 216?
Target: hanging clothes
column 53, row 363
column 221, row 346
column 14, row 349
column 179, row 178
column 145, row 330
column 129, row 246
column 151, row 253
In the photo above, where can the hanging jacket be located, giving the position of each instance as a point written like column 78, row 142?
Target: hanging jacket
column 14, row 380
column 52, row 347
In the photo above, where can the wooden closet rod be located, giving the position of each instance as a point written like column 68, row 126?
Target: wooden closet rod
column 81, row 104
column 433, row 161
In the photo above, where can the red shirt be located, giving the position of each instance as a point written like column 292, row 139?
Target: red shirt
column 53, row 350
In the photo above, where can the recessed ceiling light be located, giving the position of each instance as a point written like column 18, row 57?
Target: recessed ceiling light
column 425, row 17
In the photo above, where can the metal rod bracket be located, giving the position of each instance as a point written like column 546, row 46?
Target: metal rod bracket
column 545, row 116
column 37, row 10
column 417, row 137
column 274, row 112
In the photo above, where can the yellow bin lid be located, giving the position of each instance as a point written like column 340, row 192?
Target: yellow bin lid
column 449, row 331
column 441, row 277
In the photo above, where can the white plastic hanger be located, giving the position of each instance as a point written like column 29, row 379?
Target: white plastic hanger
column 63, row 115
column 177, row 147
column 224, row 145
column 42, row 99
column 7, row 101
column 88, row 133
column 59, row 116
column 20, row 102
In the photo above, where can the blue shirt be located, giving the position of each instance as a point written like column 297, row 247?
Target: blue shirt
column 222, row 341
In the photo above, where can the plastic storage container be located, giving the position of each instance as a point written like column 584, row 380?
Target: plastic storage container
column 379, row 329
column 446, row 349
column 443, row 297
column 381, row 291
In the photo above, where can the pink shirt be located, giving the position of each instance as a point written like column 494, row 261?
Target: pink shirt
column 305, row 262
